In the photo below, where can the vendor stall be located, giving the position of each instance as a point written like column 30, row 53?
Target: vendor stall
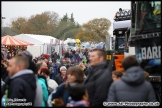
column 14, row 45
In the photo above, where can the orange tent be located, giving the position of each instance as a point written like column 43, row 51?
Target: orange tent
column 9, row 40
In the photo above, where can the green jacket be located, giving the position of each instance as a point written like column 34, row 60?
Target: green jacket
column 44, row 86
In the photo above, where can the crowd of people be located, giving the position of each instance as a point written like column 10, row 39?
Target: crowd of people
column 78, row 79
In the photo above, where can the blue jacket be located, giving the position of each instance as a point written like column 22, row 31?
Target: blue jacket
column 55, row 67
column 63, row 92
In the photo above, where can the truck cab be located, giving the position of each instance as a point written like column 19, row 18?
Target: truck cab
column 145, row 33
column 70, row 44
column 120, row 25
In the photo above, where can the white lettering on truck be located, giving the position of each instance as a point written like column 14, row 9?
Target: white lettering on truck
column 151, row 53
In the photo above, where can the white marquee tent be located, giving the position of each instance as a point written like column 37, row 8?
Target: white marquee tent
column 42, row 43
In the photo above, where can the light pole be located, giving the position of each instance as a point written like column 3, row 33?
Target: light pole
column 2, row 23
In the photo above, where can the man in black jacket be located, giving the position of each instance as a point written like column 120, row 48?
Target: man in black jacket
column 21, row 85
column 99, row 79
column 67, row 55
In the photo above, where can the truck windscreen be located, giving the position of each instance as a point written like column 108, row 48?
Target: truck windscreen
column 72, row 44
column 119, row 45
column 148, row 16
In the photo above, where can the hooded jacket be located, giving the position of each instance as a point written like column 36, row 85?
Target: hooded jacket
column 98, row 87
column 38, row 98
column 22, row 85
column 43, row 83
column 132, row 87
column 61, row 91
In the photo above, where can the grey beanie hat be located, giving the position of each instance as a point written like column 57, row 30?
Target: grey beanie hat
column 63, row 67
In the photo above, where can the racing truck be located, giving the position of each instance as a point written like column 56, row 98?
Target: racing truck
column 70, row 44
column 121, row 24
column 140, row 35
column 145, row 35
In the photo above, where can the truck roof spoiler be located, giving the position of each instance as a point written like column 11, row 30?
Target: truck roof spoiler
column 121, row 24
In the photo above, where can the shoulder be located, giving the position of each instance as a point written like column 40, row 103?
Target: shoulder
column 58, row 76
column 41, row 81
column 147, row 84
column 61, row 85
column 17, row 83
column 17, row 80
column 107, row 71
column 52, row 81
column 116, row 83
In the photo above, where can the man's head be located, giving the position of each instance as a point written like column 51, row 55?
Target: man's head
column 17, row 63
column 97, row 56
column 129, row 61
column 41, row 64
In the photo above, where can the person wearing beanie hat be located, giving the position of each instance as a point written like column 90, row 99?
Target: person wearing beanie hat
column 62, row 67
column 62, row 76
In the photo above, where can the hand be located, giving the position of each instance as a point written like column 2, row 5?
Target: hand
column 82, row 66
column 68, row 105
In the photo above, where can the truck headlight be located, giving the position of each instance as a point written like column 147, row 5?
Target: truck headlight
column 125, row 13
column 129, row 13
column 122, row 14
column 117, row 14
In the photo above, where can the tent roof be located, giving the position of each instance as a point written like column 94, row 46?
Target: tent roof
column 10, row 40
column 36, row 39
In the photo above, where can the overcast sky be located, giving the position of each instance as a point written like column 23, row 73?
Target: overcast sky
column 82, row 11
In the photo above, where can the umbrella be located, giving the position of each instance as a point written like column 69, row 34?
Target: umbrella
column 9, row 40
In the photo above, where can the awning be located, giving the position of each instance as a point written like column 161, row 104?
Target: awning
column 9, row 40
